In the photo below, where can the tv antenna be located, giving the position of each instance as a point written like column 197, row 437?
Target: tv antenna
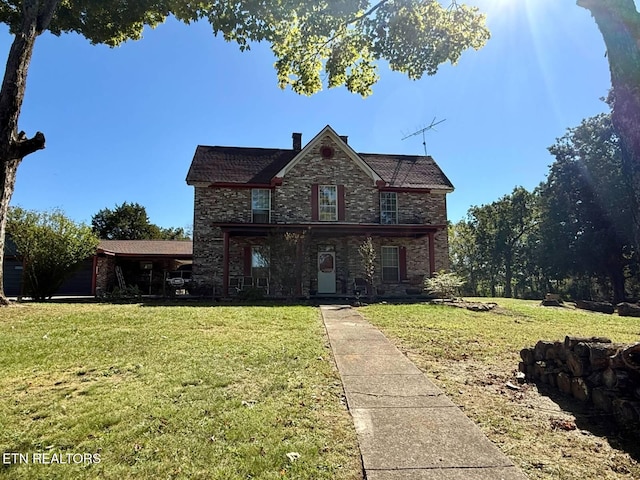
column 423, row 131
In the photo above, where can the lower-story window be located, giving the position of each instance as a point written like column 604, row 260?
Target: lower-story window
column 259, row 262
column 390, row 264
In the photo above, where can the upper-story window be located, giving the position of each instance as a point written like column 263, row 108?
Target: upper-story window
column 328, row 203
column 388, row 207
column 260, row 205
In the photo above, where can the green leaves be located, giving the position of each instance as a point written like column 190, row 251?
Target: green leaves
column 51, row 245
column 415, row 37
column 367, row 253
column 443, row 284
column 587, row 223
column 491, row 247
column 130, row 221
column 340, row 41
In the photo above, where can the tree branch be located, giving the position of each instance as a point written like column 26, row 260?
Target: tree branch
column 367, row 13
column 46, row 14
column 355, row 19
column 25, row 146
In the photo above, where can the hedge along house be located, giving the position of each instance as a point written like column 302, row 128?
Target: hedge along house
column 291, row 221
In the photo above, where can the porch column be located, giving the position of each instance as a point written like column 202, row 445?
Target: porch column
column 432, row 255
column 225, row 264
column 299, row 268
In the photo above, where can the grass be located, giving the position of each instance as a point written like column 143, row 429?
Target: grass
column 472, row 355
column 172, row 392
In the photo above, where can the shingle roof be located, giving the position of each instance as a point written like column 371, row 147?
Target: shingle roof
column 237, row 164
column 407, row 171
column 259, row 165
column 147, row 247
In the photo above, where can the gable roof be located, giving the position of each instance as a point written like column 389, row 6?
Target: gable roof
column 330, row 132
column 237, row 164
column 176, row 248
column 408, row 171
column 259, row 166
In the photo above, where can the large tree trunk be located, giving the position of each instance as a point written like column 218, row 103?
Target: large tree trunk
column 619, row 23
column 508, row 275
column 616, row 277
column 8, row 171
column 14, row 145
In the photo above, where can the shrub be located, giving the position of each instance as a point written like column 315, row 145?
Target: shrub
column 443, row 285
column 252, row 294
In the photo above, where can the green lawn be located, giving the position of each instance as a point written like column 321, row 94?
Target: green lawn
column 171, row 392
column 473, row 355
column 455, row 333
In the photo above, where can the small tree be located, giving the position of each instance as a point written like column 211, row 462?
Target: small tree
column 443, row 285
column 52, row 247
column 368, row 254
column 286, row 254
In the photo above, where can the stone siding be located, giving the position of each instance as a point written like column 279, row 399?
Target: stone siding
column 105, row 274
column 293, row 197
column 422, row 208
column 291, row 203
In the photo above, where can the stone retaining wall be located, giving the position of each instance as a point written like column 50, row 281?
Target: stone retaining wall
column 592, row 370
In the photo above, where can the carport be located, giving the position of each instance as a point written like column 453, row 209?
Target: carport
column 143, row 263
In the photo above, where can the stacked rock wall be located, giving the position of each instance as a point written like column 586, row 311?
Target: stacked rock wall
column 592, row 370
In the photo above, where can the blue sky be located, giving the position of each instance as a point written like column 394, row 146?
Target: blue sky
column 122, row 124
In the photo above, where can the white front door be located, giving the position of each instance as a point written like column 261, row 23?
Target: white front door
column 326, row 272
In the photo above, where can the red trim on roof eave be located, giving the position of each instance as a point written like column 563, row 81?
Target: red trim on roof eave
column 239, row 185
column 276, row 181
column 148, row 255
column 341, row 228
column 405, row 189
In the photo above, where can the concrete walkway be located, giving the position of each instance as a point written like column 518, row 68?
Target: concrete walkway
column 407, row 428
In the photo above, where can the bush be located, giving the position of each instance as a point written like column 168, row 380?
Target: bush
column 52, row 247
column 130, row 293
column 443, row 285
column 252, row 294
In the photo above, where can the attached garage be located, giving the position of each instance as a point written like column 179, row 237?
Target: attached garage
column 80, row 283
column 12, row 276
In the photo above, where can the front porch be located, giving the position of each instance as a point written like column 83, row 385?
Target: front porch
column 322, row 260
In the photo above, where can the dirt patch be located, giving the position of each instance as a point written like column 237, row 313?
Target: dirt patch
column 549, row 437
column 461, row 303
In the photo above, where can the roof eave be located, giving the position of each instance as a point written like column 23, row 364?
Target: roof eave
column 345, row 146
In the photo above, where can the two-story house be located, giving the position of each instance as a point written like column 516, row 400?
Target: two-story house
column 322, row 202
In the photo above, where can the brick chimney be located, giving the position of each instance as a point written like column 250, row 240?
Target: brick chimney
column 344, row 138
column 297, row 141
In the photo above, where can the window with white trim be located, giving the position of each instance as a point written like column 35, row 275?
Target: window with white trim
column 261, row 205
column 390, row 264
column 388, row 208
column 327, row 203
